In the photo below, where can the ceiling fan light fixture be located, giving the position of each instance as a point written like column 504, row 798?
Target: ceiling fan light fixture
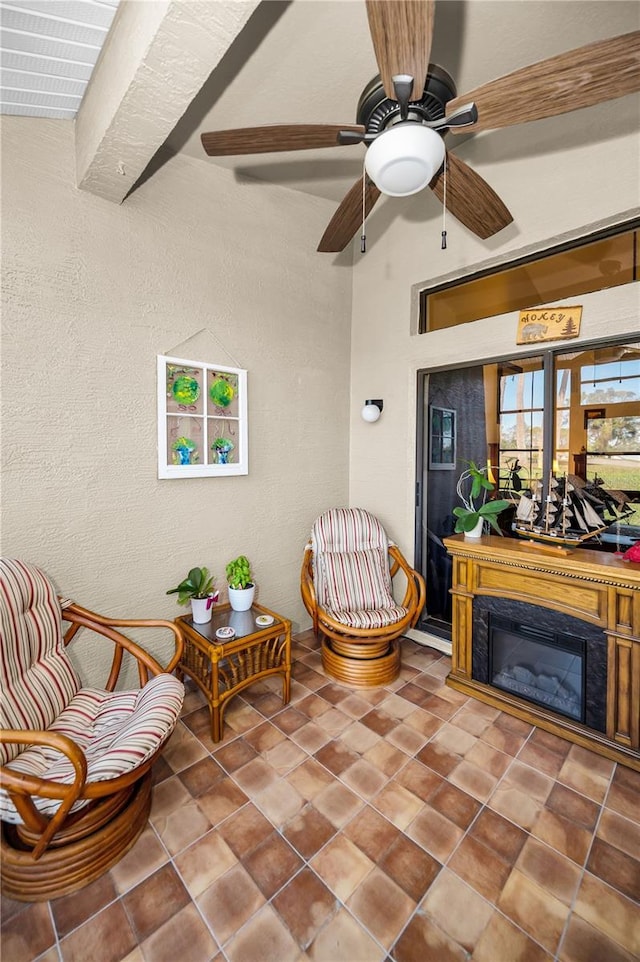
column 404, row 159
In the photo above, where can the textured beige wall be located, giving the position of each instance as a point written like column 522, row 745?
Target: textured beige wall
column 92, row 293
column 554, row 193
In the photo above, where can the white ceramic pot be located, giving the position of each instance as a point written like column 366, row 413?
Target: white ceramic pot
column 241, row 599
column 201, row 610
column 476, row 532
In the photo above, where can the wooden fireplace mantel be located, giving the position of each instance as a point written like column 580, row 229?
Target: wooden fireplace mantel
column 593, row 586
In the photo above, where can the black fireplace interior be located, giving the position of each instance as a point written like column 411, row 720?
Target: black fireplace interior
column 542, row 666
column 544, row 657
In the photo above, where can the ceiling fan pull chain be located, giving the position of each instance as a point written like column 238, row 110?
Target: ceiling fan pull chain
column 363, row 235
column 443, row 244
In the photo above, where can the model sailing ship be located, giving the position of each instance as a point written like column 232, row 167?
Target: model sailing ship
column 573, row 511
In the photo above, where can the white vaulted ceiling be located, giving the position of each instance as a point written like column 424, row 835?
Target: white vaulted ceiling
column 48, row 51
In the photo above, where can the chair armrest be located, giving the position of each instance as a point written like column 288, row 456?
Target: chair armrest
column 307, row 589
column 416, row 593
column 147, row 664
column 21, row 786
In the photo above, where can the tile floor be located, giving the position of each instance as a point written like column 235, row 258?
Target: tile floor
column 403, row 824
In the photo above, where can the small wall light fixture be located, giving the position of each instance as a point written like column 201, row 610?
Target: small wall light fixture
column 372, row 410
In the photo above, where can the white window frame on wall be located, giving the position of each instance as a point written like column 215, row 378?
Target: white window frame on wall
column 166, row 469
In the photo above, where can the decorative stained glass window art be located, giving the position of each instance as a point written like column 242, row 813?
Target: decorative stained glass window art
column 202, row 419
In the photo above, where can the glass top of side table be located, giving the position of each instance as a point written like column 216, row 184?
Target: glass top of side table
column 243, row 622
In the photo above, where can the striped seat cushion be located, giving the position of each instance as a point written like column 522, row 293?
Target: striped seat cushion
column 117, row 731
column 366, row 618
column 356, row 579
column 37, row 678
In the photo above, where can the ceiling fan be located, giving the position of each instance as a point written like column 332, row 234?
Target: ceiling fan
column 404, row 113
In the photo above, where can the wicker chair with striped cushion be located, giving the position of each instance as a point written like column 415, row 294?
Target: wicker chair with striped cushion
column 76, row 762
column 347, row 587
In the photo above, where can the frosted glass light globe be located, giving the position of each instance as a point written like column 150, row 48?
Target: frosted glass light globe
column 404, row 159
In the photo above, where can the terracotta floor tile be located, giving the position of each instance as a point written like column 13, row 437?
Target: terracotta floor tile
column 538, row 756
column 272, row 864
column 201, row 776
column 414, row 693
column 583, row 943
column 364, row 778
column 501, row 836
column 336, row 757
column 265, row 936
column 371, row 832
column 310, row 737
column 386, row 757
column 204, row 861
column 379, row 721
column 534, row 909
column 488, row 759
column 245, row 829
column 222, row 800
column 551, row 870
column 285, row 756
column 624, row 793
column 342, row 866
column 334, row 722
column 620, row 832
column 397, row 804
column 503, row 739
column 28, row 933
column 169, row 796
column 311, row 777
column 407, row 864
column 424, row 722
column 229, row 902
column 338, row 804
column 312, row 705
column 183, row 749
column 150, row 904
column 562, row 834
column 459, row 807
column 420, row 780
column 255, row 776
column 355, row 706
column 280, row 802
column 480, row 867
column 146, row 856
column 381, row 906
column 407, row 739
column 454, row 740
column 233, row 756
column 290, row 720
column 308, row 831
column 608, row 911
column 305, row 904
column 502, row 941
column 438, row 758
column 344, row 938
column 474, row 780
column 70, row 911
column 587, row 773
column 464, row 927
column 396, row 706
column 182, row 827
column 424, row 941
column 619, row 870
column 516, row 805
column 107, row 937
column 184, row 937
column 440, row 707
column 471, row 722
column 434, row 833
column 359, row 738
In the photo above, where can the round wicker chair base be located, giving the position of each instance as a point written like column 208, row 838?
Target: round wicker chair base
column 60, row 871
column 361, row 665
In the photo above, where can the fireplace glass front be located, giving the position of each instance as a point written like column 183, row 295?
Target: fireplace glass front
column 539, row 665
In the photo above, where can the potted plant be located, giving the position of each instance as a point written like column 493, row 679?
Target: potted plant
column 197, row 588
column 241, row 587
column 472, row 488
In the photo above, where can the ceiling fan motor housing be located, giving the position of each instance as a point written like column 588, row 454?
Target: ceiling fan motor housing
column 376, row 112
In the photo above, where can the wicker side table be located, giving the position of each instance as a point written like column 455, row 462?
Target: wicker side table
column 221, row 669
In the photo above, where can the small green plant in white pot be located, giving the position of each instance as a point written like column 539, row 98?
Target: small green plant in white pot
column 197, row 588
column 241, row 587
column 473, row 487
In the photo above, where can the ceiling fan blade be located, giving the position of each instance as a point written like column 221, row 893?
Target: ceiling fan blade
column 401, row 31
column 348, row 217
column 470, row 199
column 589, row 75
column 273, row 138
